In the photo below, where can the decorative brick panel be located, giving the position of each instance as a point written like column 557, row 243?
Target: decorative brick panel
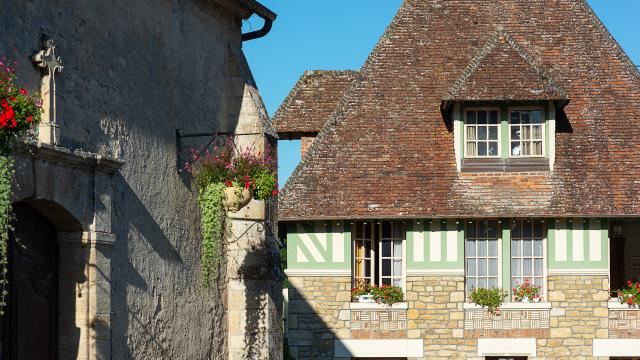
column 624, row 324
column 509, row 324
column 378, row 324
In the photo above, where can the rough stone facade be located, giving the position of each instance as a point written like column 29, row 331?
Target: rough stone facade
column 135, row 72
column 319, row 313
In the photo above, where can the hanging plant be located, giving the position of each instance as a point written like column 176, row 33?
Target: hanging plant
column 19, row 112
column 227, row 179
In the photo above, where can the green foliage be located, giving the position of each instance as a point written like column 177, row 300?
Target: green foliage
column 526, row 290
column 264, row 184
column 6, row 175
column 489, row 298
column 210, row 200
column 630, row 295
column 384, row 294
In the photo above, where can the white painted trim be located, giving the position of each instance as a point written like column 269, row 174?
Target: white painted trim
column 316, row 272
column 435, row 272
column 616, row 347
column 364, row 306
column 579, row 272
column 507, row 347
column 348, row 348
column 615, row 305
column 513, row 306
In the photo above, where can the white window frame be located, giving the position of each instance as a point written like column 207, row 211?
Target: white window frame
column 545, row 231
column 403, row 258
column 376, row 252
column 544, row 131
column 466, row 125
column 372, row 254
column 499, row 257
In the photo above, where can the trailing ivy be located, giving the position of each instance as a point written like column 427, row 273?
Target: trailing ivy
column 210, row 200
column 6, row 175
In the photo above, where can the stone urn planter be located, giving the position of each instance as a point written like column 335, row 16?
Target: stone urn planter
column 235, row 198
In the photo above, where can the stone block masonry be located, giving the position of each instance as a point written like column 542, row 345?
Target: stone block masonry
column 319, row 314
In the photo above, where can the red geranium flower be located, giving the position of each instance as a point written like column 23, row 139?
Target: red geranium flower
column 23, row 91
column 229, row 183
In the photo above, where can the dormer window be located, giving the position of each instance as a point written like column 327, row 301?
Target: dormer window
column 482, row 133
column 526, row 135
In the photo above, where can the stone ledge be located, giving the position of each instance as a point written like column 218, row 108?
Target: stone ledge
column 507, row 347
column 379, row 348
column 375, row 306
column 616, row 347
column 70, row 158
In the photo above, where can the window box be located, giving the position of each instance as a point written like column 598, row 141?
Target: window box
column 374, row 306
column 513, row 306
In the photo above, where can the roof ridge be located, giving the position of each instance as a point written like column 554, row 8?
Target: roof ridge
column 404, row 9
column 486, row 49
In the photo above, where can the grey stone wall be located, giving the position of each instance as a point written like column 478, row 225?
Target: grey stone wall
column 134, row 72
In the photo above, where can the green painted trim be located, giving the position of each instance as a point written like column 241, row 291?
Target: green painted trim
column 604, row 240
column 294, row 239
column 586, row 239
column 551, row 242
column 506, row 257
column 504, row 131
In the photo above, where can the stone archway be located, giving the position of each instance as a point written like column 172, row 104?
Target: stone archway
column 72, row 190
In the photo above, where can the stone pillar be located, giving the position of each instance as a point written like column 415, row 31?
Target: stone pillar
column 84, row 295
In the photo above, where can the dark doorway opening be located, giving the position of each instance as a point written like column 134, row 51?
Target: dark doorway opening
column 29, row 328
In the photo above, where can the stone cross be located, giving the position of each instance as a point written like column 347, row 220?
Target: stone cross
column 47, row 60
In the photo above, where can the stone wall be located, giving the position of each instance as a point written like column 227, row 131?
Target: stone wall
column 318, row 314
column 578, row 315
column 134, row 73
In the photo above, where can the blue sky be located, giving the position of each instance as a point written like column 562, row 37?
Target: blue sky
column 339, row 34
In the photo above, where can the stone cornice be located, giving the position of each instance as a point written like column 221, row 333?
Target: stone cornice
column 71, row 158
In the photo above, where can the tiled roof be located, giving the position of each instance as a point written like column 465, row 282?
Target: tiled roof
column 311, row 101
column 387, row 152
column 503, row 70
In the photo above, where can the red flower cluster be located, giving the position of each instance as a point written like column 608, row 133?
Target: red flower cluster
column 7, row 116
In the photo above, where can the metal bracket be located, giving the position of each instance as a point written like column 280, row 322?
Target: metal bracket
column 180, row 162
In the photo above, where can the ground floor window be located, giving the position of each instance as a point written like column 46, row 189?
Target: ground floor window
column 379, row 253
column 491, row 243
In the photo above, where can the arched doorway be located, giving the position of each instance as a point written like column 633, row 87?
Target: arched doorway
column 30, row 324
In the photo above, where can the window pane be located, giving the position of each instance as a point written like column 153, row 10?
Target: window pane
column 537, row 148
column 359, row 249
column 482, row 117
column 482, row 149
column 471, row 229
column 397, row 267
column 471, row 149
column 526, row 148
column 493, row 133
column 470, row 246
column 367, row 268
column 537, row 282
column 367, row 230
column 515, row 267
column 471, row 133
column 471, row 117
column 471, row 267
column 470, row 285
column 515, row 148
column 526, row 229
column 537, row 116
column 493, row 117
column 397, row 282
column 386, row 267
column 526, row 247
column 493, row 267
column 386, row 230
column 482, row 267
column 526, row 133
column 516, row 229
column 537, row 267
column 398, row 231
column 492, row 231
column 482, row 248
column 358, row 268
column 493, row 283
column 515, row 133
column 515, row 117
column 538, row 229
column 386, row 281
column 493, row 247
column 482, row 133
column 537, row 247
column 397, row 248
column 515, row 248
column 482, row 282
column 537, row 132
column 386, row 248
column 527, row 267
column 525, row 116
column 493, row 148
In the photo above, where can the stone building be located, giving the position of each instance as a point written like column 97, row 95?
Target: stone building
column 105, row 259
column 482, row 144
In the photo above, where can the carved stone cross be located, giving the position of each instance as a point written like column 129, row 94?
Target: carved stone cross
column 47, row 60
